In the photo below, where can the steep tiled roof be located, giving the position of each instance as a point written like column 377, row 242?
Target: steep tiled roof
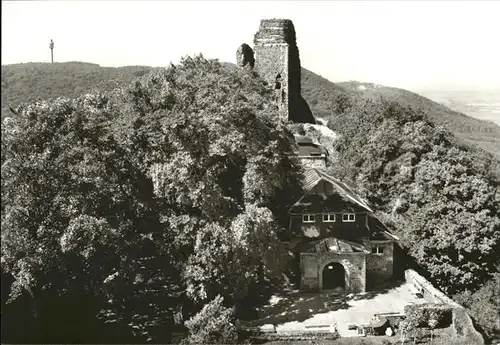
column 311, row 150
column 319, row 203
column 313, row 176
column 302, row 140
column 307, row 147
column 378, row 231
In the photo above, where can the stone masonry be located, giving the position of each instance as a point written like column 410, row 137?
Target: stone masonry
column 245, row 56
column 277, row 62
column 313, row 264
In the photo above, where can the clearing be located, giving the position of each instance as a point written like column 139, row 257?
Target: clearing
column 304, row 312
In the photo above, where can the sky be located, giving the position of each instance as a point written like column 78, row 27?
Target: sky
column 409, row 44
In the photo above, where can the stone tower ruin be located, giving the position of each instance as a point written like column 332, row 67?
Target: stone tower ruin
column 275, row 57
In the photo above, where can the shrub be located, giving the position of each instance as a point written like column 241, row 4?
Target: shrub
column 484, row 305
column 423, row 313
column 214, row 324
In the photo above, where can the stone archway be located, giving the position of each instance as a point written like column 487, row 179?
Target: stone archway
column 333, row 276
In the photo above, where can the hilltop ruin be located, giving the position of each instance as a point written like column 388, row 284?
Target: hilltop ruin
column 275, row 57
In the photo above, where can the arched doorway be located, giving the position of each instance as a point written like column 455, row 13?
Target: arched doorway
column 333, row 276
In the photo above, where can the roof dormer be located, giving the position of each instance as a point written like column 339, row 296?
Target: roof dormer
column 310, row 153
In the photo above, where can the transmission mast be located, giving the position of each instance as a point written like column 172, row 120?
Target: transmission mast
column 51, row 45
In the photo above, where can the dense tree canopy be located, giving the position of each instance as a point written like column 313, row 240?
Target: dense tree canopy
column 484, row 306
column 167, row 195
column 441, row 198
column 134, row 196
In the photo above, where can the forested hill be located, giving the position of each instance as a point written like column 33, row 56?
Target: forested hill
column 28, row 81
column 324, row 98
column 187, row 170
column 439, row 195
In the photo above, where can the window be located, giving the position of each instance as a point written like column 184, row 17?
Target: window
column 348, row 217
column 308, row 218
column 378, row 250
column 328, row 217
column 278, row 82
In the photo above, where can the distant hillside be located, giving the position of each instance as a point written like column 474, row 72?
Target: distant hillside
column 481, row 104
column 323, row 97
column 29, row 81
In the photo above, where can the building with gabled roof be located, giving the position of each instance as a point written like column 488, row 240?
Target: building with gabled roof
column 311, row 154
column 331, row 229
column 340, row 243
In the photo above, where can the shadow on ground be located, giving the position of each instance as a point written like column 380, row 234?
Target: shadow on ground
column 300, row 306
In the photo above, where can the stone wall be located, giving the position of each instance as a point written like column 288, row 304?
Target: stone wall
column 379, row 267
column 309, row 272
column 245, row 56
column 312, row 265
column 271, row 63
column 277, row 62
column 429, row 292
column 462, row 322
column 313, row 162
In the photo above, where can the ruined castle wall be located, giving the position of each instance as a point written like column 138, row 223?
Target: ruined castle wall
column 275, row 57
column 271, row 61
column 245, row 56
column 276, row 53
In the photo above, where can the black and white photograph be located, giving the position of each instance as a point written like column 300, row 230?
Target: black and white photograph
column 286, row 172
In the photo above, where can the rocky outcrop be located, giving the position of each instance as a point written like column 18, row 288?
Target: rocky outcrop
column 245, row 56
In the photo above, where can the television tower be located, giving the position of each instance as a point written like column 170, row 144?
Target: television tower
column 51, row 45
